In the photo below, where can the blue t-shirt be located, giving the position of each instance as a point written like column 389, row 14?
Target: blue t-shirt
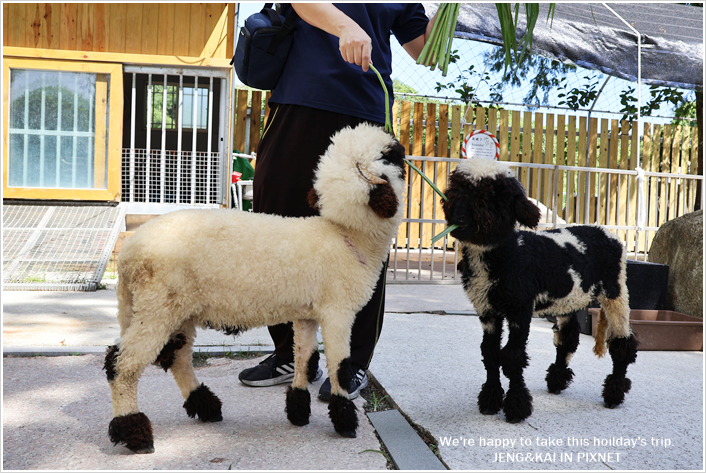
column 316, row 75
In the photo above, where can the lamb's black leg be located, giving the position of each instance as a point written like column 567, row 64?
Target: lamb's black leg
column 566, row 339
column 517, row 405
column 490, row 399
column 623, row 351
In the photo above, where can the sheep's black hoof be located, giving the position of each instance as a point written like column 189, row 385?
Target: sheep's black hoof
column 614, row 390
column 298, row 406
column 518, row 405
column 203, row 403
column 348, row 434
column 342, row 412
column 558, row 378
column 490, row 399
column 132, row 430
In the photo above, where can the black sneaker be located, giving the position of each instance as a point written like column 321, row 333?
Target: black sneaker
column 358, row 382
column 271, row 371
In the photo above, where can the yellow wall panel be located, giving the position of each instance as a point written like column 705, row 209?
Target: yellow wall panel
column 118, row 20
column 68, row 26
column 101, row 27
column 53, row 25
column 5, row 23
column 165, row 37
column 133, row 41
column 182, row 24
column 31, row 31
column 196, row 31
column 84, row 26
column 216, row 24
column 34, row 14
column 150, row 28
column 16, row 35
column 167, row 29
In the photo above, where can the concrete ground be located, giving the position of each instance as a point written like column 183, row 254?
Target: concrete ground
column 56, row 409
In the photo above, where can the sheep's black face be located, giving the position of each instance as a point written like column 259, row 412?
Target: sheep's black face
column 395, row 156
column 487, row 209
column 383, row 199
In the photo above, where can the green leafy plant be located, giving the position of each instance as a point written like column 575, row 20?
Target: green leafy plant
column 461, row 84
column 579, row 97
column 658, row 96
column 375, row 402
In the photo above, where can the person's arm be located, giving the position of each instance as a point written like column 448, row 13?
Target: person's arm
column 414, row 47
column 354, row 43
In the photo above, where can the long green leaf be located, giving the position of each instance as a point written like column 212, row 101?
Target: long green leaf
column 508, row 29
column 388, row 124
column 424, row 176
column 441, row 235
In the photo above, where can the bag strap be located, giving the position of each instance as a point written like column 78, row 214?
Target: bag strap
column 284, row 30
column 274, row 17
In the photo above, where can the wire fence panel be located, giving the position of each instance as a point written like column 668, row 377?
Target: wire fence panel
column 58, row 248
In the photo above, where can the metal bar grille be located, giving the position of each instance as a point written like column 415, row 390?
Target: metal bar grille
column 61, row 248
column 165, row 176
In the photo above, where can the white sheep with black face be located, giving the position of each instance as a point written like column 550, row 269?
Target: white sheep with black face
column 233, row 270
column 511, row 274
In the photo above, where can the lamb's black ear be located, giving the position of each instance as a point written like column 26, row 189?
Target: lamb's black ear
column 526, row 212
column 396, row 155
column 383, row 200
column 313, row 199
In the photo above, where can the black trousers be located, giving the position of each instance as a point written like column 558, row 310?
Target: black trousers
column 294, row 139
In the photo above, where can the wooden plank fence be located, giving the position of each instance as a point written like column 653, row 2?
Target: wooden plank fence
column 595, row 184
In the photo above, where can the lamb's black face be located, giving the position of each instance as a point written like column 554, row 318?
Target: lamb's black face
column 395, row 156
column 487, row 209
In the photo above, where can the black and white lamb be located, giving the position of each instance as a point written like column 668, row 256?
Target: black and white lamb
column 236, row 270
column 510, row 274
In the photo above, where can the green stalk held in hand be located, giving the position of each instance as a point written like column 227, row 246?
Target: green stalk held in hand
column 389, row 129
column 437, row 49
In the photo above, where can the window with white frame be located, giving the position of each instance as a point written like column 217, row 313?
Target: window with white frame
column 170, row 112
column 58, row 125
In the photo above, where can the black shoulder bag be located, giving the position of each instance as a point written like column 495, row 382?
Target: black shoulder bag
column 263, row 46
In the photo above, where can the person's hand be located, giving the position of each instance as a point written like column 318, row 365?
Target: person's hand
column 353, row 42
column 355, row 46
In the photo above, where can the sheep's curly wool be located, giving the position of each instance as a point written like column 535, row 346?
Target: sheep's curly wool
column 511, row 275
column 231, row 270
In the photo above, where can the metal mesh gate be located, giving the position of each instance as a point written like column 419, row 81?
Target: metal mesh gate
column 177, row 121
column 58, row 248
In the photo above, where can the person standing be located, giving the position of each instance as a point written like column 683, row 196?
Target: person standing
column 326, row 85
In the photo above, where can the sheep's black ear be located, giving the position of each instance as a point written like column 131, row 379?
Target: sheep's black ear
column 526, row 212
column 383, row 200
column 396, row 155
column 313, row 199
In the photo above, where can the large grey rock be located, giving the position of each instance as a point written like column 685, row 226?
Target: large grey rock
column 679, row 244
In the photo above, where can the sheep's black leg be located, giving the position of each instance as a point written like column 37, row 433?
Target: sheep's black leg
column 566, row 341
column 623, row 352
column 306, row 363
column 490, row 399
column 342, row 411
column 517, row 405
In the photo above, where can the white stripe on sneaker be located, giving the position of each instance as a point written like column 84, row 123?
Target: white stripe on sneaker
column 285, row 369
